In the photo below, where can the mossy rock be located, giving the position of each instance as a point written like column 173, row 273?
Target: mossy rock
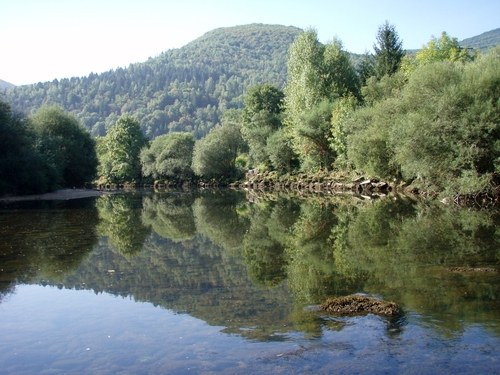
column 356, row 305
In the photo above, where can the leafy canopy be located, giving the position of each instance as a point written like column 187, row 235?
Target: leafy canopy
column 66, row 144
column 169, row 157
column 120, row 150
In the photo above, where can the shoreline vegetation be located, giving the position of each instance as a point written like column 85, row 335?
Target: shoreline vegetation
column 426, row 125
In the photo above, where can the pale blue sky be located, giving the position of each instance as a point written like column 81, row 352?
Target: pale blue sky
column 47, row 39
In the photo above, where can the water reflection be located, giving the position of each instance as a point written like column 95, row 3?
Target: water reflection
column 252, row 268
column 170, row 215
column 120, row 221
column 45, row 240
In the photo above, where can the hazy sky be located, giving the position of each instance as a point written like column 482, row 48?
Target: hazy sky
column 47, row 39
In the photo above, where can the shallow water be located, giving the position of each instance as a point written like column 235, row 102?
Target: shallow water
column 207, row 282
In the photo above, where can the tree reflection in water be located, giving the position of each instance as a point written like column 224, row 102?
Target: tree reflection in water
column 254, row 267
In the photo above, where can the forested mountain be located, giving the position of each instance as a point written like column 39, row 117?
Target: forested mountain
column 483, row 41
column 184, row 89
column 5, row 85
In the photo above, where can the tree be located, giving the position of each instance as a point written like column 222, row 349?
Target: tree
column 281, row 153
column 120, row 150
column 169, row 157
column 366, row 68
column 317, row 73
column 261, row 117
column 315, row 132
column 441, row 131
column 67, row 146
column 23, row 170
column 443, row 49
column 263, row 97
column 338, row 133
column 388, row 51
column 318, row 76
column 214, row 156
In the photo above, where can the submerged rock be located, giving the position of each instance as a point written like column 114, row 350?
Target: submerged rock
column 357, row 304
column 470, row 269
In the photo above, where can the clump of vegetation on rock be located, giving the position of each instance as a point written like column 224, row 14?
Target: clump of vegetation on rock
column 357, row 304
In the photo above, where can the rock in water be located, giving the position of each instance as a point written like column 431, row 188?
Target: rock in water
column 357, row 304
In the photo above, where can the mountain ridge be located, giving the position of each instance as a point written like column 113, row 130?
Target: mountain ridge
column 184, row 89
column 5, row 84
column 484, row 41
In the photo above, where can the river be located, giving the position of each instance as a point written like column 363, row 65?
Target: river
column 215, row 281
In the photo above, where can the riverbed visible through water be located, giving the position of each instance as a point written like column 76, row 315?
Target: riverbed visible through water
column 204, row 282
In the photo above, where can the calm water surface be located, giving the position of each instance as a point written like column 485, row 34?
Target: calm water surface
column 215, row 282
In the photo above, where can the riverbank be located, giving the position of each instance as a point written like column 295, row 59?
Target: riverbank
column 63, row 194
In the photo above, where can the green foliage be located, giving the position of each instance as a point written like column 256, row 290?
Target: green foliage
column 442, row 49
column 282, row 155
column 169, row 157
column 263, row 97
column 120, row 151
column 366, row 68
column 180, row 90
column 376, row 90
column 442, row 128
column 318, row 75
column 50, row 149
column 342, row 108
column 170, row 216
column 22, row 169
column 314, row 132
column 261, row 117
column 120, row 221
column 67, row 146
column 388, row 51
column 368, row 144
column 214, row 157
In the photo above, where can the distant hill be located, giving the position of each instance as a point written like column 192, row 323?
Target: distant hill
column 484, row 42
column 185, row 89
column 5, row 85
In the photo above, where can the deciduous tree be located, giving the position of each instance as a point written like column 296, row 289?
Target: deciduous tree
column 169, row 157
column 261, row 117
column 66, row 144
column 214, row 156
column 120, row 149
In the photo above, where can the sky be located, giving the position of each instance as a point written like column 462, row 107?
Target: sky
column 47, row 39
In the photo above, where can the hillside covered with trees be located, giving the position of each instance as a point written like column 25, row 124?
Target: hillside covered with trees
column 484, row 41
column 185, row 89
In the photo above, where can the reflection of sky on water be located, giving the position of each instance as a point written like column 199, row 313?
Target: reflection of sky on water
column 44, row 329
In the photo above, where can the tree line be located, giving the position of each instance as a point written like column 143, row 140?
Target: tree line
column 431, row 119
